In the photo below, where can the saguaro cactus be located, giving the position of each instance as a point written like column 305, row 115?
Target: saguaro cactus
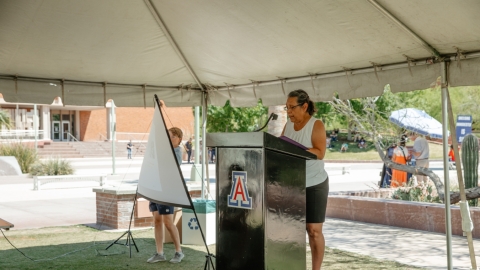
column 470, row 163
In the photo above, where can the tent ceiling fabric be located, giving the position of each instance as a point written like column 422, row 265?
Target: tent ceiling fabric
column 232, row 43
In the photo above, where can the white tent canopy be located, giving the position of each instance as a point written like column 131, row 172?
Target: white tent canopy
column 90, row 51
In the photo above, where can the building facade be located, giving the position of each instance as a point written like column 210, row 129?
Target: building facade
column 81, row 123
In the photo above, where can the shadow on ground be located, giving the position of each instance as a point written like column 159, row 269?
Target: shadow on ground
column 86, row 250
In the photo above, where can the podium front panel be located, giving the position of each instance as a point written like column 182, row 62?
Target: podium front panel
column 285, row 227
column 240, row 231
column 267, row 232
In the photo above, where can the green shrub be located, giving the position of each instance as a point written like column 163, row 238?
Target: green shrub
column 416, row 194
column 53, row 166
column 25, row 155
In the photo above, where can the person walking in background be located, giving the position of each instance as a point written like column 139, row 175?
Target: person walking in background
column 305, row 129
column 451, row 154
column 212, row 155
column 421, row 152
column 193, row 150
column 188, row 145
column 451, row 158
column 129, row 150
column 400, row 156
column 163, row 214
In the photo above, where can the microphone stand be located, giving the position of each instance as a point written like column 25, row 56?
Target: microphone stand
column 273, row 115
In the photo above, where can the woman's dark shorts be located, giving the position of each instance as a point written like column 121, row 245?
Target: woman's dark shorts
column 317, row 197
column 162, row 209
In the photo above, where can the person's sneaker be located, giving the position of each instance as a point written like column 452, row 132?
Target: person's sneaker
column 157, row 258
column 178, row 257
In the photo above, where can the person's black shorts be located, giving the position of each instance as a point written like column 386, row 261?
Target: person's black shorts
column 317, row 197
column 162, row 209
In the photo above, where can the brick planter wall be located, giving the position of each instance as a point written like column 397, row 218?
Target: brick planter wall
column 114, row 208
column 379, row 193
column 114, row 211
column 412, row 215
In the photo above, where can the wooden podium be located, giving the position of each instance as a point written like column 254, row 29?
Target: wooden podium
column 260, row 197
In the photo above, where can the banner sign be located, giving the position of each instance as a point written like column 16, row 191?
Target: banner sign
column 464, row 126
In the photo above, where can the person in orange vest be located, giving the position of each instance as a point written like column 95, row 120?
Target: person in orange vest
column 400, row 156
column 451, row 154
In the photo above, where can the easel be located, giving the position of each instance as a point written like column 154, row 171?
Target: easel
column 130, row 239
column 208, row 257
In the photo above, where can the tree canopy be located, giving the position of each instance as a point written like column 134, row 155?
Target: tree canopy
column 464, row 101
column 238, row 119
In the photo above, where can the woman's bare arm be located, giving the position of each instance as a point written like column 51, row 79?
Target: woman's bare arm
column 319, row 140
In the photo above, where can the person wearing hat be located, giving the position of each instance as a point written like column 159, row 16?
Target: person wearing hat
column 400, row 156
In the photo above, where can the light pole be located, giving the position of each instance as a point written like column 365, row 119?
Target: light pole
column 113, row 127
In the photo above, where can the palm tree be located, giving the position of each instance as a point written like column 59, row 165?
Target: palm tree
column 4, row 120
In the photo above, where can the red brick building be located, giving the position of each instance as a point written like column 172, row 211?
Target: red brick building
column 133, row 123
column 65, row 123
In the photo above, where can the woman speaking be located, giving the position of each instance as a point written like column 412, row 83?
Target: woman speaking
column 305, row 129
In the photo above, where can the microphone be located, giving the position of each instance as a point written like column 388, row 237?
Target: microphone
column 272, row 116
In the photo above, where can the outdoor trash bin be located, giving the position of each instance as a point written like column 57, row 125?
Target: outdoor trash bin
column 191, row 234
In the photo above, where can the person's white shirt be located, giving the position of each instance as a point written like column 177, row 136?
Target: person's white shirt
column 421, row 146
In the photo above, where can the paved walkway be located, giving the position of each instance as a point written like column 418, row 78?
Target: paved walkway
column 59, row 204
column 412, row 247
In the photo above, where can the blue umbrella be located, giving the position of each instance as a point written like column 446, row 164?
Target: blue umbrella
column 417, row 121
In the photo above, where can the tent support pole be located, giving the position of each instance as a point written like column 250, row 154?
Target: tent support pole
column 414, row 35
column 461, row 183
column 112, row 132
column 35, row 126
column 196, row 154
column 204, row 144
column 161, row 23
column 156, row 15
column 205, row 103
column 448, row 220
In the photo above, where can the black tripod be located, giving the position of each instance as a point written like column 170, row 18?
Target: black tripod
column 130, row 239
column 209, row 261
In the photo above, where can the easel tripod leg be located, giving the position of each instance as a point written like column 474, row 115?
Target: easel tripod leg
column 115, row 242
column 209, row 261
column 133, row 240
column 130, row 239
